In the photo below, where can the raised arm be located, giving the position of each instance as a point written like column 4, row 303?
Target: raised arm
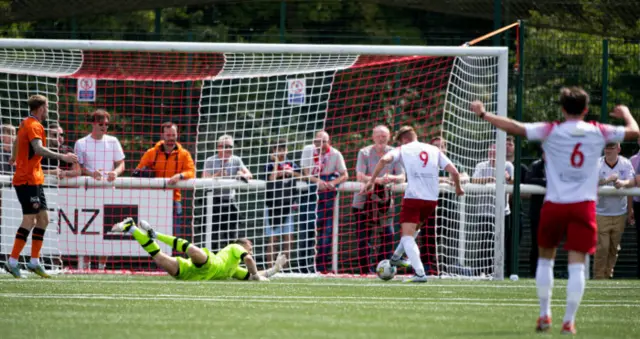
column 508, row 125
column 631, row 131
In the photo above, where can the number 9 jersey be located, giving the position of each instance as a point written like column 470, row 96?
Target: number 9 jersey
column 422, row 164
column 572, row 150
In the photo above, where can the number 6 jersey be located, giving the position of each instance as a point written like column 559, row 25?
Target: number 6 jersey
column 422, row 163
column 572, row 151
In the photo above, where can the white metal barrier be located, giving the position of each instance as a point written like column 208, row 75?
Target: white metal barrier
column 260, row 185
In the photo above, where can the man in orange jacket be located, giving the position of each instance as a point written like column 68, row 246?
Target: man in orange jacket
column 168, row 159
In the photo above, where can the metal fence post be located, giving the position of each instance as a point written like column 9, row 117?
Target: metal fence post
column 283, row 17
column 604, row 115
column 515, row 224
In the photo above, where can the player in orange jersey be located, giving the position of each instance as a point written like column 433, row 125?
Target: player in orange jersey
column 28, row 150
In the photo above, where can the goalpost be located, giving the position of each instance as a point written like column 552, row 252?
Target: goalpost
column 260, row 95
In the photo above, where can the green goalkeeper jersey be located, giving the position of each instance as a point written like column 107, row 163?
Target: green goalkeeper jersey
column 220, row 266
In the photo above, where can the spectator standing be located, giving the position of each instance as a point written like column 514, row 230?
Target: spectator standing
column 611, row 212
column 100, row 156
column 325, row 166
column 281, row 197
column 168, row 159
column 225, row 212
column 484, row 173
column 371, row 211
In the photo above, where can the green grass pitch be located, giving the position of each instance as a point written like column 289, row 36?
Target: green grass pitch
column 159, row 307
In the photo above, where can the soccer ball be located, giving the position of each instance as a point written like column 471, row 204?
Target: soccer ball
column 385, row 271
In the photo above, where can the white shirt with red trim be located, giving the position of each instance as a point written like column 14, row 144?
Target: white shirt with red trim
column 572, row 152
column 612, row 205
column 422, row 163
column 329, row 162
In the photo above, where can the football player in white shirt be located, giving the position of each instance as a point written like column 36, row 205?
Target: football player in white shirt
column 572, row 149
column 422, row 163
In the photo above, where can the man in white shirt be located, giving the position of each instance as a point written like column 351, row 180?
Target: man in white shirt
column 422, row 163
column 324, row 166
column 572, row 150
column 485, row 173
column 100, row 156
column 611, row 211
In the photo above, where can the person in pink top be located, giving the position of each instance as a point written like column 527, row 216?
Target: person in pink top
column 572, row 149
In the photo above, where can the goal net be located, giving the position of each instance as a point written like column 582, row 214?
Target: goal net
column 250, row 117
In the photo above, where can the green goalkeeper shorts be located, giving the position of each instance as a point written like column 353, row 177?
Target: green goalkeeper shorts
column 189, row 271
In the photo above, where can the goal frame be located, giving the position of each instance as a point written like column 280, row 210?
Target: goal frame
column 501, row 53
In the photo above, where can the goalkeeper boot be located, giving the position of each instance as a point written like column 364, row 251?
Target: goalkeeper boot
column 123, row 226
column 38, row 269
column 400, row 262
column 145, row 226
column 568, row 328
column 544, row 324
column 416, row 279
column 14, row 270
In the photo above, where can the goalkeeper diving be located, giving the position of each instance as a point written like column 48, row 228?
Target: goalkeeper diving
column 202, row 264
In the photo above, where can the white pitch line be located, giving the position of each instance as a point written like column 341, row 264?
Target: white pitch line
column 316, row 283
column 244, row 299
column 299, row 297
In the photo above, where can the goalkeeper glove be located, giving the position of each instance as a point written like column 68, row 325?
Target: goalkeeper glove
column 281, row 260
